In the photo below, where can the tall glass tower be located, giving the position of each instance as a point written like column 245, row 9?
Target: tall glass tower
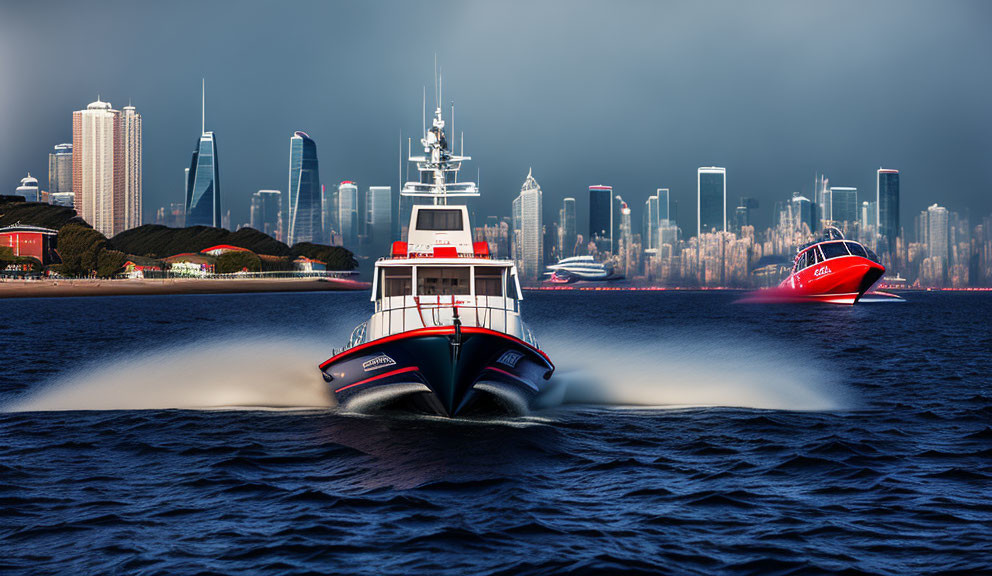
column 887, row 202
column 649, row 234
column 348, row 214
column 663, row 212
column 711, row 197
column 601, row 217
column 843, row 205
column 569, row 233
column 379, row 217
column 203, row 180
column 305, row 218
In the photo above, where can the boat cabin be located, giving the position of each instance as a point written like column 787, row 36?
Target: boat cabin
column 441, row 273
column 827, row 250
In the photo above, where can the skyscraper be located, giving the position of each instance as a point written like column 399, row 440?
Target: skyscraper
column 843, row 205
column 128, row 214
column 98, row 167
column 378, row 218
column 664, row 210
column 60, row 169
column 711, row 199
column 305, row 221
column 529, row 229
column 937, row 233
column 203, row 179
column 887, row 201
column 348, row 214
column 649, row 232
column 266, row 212
column 29, row 189
column 802, row 212
column 869, row 212
column 601, row 217
column 569, row 234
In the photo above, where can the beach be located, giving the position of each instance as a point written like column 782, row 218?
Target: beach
column 63, row 287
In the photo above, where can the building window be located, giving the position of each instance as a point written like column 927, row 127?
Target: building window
column 437, row 281
column 488, row 281
column 397, row 281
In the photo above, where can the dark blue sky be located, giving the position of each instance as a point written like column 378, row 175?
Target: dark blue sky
column 634, row 94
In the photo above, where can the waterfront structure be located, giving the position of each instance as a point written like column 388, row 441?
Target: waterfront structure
column 305, row 203
column 29, row 189
column 348, row 214
column 266, row 212
column 528, row 229
column 60, row 169
column 843, row 205
column 128, row 214
column 601, row 217
column 379, row 218
column 711, row 199
column 566, row 227
column 887, row 204
column 97, row 167
column 203, row 179
column 31, row 242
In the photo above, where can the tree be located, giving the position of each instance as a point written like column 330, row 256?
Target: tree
column 236, row 261
column 336, row 257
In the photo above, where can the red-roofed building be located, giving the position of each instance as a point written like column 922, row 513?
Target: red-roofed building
column 31, row 242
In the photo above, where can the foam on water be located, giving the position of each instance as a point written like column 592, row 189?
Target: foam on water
column 689, row 370
column 251, row 373
column 278, row 372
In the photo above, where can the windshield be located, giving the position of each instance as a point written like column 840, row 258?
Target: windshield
column 833, row 249
column 857, row 249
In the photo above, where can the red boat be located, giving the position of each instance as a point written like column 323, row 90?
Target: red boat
column 832, row 269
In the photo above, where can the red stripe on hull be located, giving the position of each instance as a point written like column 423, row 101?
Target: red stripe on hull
column 431, row 331
column 379, row 377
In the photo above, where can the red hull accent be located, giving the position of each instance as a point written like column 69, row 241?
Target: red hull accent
column 431, row 331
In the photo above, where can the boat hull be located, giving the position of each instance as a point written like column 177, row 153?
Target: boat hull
column 443, row 370
column 842, row 280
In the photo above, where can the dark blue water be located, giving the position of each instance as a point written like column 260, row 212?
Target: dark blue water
column 804, row 439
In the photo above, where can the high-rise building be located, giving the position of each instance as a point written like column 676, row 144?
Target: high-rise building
column 529, row 229
column 601, row 217
column 329, row 210
column 802, row 212
column 29, row 189
column 305, row 221
column 937, row 233
column 98, row 167
column 887, row 203
column 649, row 229
column 843, row 205
column 67, row 199
column 379, row 218
column 129, row 213
column 868, row 214
column 567, row 226
column 266, row 212
column 203, row 179
column 172, row 217
column 664, row 209
column 60, row 169
column 348, row 214
column 711, row 199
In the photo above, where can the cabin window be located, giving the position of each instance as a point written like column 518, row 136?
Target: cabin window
column 488, row 281
column 443, row 281
column 439, row 220
column 397, row 281
column 833, row 249
column 857, row 249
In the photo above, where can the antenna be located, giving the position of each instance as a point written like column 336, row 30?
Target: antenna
column 424, row 131
column 463, row 143
column 452, row 125
column 436, row 101
column 399, row 165
column 203, row 105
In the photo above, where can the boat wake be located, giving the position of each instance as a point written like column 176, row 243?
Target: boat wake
column 240, row 373
column 279, row 373
column 690, row 371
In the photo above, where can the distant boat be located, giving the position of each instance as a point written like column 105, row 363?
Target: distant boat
column 832, row 269
column 579, row 268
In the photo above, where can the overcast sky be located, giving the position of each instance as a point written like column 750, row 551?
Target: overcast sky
column 633, row 94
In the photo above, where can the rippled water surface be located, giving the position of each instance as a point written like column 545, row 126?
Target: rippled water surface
column 682, row 433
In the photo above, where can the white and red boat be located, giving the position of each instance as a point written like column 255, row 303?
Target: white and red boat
column 832, row 269
column 446, row 336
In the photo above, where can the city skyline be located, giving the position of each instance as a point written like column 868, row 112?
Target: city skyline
column 673, row 118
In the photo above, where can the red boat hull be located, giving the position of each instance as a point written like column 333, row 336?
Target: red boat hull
column 842, row 280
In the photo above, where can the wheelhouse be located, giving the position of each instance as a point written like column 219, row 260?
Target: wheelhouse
column 828, row 250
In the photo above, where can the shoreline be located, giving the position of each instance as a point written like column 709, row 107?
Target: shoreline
column 67, row 288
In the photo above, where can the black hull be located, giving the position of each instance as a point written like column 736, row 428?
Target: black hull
column 440, row 371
